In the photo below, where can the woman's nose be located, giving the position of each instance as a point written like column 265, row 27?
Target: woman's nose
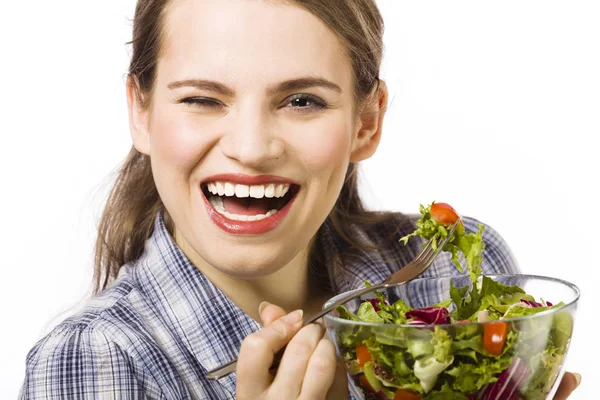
column 252, row 140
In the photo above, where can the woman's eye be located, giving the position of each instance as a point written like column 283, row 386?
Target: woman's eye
column 305, row 102
column 201, row 102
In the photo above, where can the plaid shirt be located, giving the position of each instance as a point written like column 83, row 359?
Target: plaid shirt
column 161, row 325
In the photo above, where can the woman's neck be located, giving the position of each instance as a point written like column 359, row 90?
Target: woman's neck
column 290, row 287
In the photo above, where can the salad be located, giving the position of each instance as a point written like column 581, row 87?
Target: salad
column 451, row 355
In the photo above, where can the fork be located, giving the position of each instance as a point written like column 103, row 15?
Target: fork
column 414, row 268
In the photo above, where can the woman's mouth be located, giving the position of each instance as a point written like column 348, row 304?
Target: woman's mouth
column 248, row 208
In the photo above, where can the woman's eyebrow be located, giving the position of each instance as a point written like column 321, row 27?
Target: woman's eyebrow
column 303, row 83
column 285, row 86
column 205, row 84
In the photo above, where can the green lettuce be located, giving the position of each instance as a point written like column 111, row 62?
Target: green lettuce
column 471, row 245
column 469, row 302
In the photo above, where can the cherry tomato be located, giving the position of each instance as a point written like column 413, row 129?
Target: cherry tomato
column 494, row 336
column 443, row 213
column 402, row 394
column 362, row 355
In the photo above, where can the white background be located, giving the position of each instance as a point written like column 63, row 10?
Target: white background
column 495, row 108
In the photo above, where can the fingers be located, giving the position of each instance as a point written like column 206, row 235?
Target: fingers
column 257, row 352
column 270, row 312
column 295, row 361
column 569, row 382
column 320, row 373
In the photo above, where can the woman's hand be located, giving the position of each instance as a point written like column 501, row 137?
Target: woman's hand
column 569, row 382
column 308, row 367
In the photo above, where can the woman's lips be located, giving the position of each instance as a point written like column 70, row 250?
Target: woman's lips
column 243, row 227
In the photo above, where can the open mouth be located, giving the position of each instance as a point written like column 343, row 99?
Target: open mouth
column 240, row 202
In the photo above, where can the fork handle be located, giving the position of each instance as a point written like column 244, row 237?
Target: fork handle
column 345, row 299
column 230, row 367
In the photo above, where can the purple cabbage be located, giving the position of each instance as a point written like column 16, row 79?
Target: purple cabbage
column 535, row 304
column 374, row 303
column 382, row 372
column 478, row 395
column 508, row 384
column 429, row 316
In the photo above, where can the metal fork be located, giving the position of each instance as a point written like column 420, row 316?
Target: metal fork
column 416, row 267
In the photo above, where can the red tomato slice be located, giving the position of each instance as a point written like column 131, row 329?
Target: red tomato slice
column 443, row 213
column 402, row 394
column 362, row 355
column 494, row 336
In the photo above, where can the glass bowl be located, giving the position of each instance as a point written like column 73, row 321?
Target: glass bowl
column 460, row 360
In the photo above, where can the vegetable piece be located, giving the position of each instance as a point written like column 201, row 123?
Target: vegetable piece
column 468, row 303
column 533, row 304
column 363, row 355
column 372, row 377
column 469, row 244
column 367, row 313
column 365, row 383
column 402, row 394
column 427, row 369
column 443, row 213
column 494, row 336
column 509, row 382
column 430, row 315
column 374, row 303
column 471, row 377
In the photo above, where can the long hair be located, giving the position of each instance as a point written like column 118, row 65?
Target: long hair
column 128, row 217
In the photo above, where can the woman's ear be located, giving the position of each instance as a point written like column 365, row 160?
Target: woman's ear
column 138, row 119
column 367, row 138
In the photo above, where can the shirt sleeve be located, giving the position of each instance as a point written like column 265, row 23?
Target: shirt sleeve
column 80, row 363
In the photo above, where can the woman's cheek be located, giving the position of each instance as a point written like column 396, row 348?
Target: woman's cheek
column 179, row 142
column 325, row 147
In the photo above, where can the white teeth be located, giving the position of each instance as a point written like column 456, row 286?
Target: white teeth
column 258, row 192
column 217, row 203
column 220, row 189
column 242, row 191
column 212, row 188
column 229, row 189
column 270, row 190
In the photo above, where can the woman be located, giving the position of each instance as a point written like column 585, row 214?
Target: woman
column 237, row 204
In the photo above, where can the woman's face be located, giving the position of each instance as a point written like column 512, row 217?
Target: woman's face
column 250, row 130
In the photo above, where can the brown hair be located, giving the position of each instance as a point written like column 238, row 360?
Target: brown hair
column 128, row 217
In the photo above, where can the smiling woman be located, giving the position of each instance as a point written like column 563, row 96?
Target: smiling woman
column 237, row 204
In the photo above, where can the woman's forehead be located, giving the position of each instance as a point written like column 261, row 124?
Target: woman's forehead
column 242, row 40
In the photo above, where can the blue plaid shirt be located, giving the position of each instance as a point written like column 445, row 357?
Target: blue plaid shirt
column 161, row 325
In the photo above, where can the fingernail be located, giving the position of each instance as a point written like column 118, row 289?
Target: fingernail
column 577, row 378
column 262, row 306
column 293, row 317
